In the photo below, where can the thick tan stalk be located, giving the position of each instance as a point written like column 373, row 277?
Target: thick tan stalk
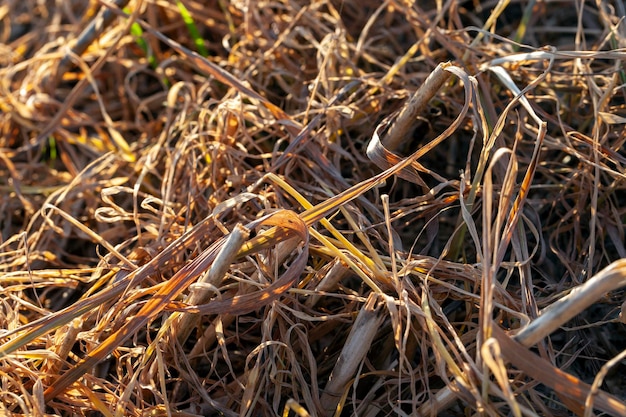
column 354, row 350
column 400, row 129
column 215, row 275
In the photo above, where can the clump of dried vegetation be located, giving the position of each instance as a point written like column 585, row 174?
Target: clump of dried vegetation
column 284, row 207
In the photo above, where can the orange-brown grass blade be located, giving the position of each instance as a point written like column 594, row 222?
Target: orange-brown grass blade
column 551, row 318
column 571, row 389
column 39, row 327
column 180, row 281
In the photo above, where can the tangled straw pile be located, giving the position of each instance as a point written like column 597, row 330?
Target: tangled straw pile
column 322, row 208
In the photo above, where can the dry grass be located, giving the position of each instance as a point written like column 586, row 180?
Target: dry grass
column 288, row 226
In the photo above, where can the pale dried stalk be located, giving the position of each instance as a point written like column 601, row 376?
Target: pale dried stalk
column 399, row 130
column 551, row 318
column 335, row 273
column 598, row 380
column 354, row 350
column 201, row 294
column 407, row 168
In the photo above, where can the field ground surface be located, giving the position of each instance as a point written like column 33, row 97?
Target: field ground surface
column 324, row 208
